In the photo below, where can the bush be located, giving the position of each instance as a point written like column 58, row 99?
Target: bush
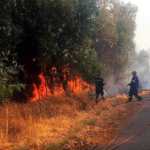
column 7, row 73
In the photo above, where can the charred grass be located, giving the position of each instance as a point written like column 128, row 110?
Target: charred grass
column 60, row 122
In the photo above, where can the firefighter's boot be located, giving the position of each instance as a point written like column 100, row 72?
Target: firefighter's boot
column 103, row 98
column 139, row 98
column 96, row 100
column 130, row 99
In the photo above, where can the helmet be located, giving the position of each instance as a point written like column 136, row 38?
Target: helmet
column 134, row 72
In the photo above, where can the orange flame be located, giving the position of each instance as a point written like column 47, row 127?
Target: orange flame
column 126, row 96
column 144, row 92
column 76, row 86
column 122, row 96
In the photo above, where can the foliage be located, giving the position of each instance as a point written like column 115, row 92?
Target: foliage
column 59, row 145
column 47, row 32
column 91, row 122
column 88, row 63
column 21, row 148
column 142, row 57
column 113, row 40
column 64, row 49
column 7, row 73
column 73, row 133
column 69, row 36
column 98, row 112
column 115, row 104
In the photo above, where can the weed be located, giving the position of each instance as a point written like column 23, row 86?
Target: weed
column 115, row 104
column 77, row 128
column 38, row 148
column 98, row 112
column 65, row 140
column 21, row 148
column 73, row 133
column 91, row 122
column 105, row 119
column 58, row 145
column 106, row 108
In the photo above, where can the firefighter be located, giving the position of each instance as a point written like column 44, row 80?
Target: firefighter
column 134, row 87
column 99, row 83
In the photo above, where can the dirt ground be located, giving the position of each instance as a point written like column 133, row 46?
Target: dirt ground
column 111, row 115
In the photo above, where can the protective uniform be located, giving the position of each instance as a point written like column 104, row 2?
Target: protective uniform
column 99, row 82
column 134, row 88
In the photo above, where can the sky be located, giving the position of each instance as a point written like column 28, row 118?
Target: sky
column 142, row 33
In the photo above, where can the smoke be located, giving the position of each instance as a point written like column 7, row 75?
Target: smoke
column 142, row 65
column 114, row 87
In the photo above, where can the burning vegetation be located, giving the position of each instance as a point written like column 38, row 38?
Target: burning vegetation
column 76, row 85
column 74, row 122
column 50, row 46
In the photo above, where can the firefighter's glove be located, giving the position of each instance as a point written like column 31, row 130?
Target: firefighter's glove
column 133, row 81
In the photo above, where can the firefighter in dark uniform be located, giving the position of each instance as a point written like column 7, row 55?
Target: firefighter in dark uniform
column 99, row 87
column 134, row 87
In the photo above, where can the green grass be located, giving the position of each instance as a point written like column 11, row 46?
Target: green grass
column 91, row 122
column 106, row 108
column 59, row 145
column 22, row 148
column 105, row 119
column 75, row 130
column 73, row 133
column 115, row 104
column 98, row 112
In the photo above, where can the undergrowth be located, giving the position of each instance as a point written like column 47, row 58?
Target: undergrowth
column 73, row 133
column 53, row 121
column 46, row 119
column 22, row 148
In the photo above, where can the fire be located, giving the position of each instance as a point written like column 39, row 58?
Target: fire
column 76, row 86
column 144, row 92
column 124, row 96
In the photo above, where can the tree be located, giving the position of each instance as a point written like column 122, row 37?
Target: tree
column 7, row 80
column 126, row 28
column 46, row 34
column 61, row 49
column 113, row 40
column 87, row 62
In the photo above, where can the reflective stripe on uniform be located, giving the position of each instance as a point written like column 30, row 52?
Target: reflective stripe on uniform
column 133, row 81
column 98, row 80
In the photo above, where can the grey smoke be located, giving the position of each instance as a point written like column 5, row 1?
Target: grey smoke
column 114, row 87
column 142, row 66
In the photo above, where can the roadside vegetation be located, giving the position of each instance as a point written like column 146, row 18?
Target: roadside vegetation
column 62, row 122
column 62, row 39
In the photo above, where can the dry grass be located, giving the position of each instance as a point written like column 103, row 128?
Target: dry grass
column 110, row 116
column 68, row 119
column 40, row 122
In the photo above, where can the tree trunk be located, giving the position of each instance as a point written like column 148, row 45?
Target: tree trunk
column 6, row 117
column 52, row 85
column 64, row 80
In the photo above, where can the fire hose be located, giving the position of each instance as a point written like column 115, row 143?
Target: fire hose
column 125, row 126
